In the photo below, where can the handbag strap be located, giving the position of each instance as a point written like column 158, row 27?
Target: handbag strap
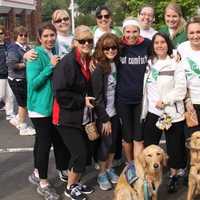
column 91, row 114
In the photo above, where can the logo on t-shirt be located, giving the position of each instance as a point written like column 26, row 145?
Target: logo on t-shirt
column 194, row 69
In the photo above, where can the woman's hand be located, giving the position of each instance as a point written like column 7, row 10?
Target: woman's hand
column 160, row 104
column 92, row 66
column 55, row 59
column 106, row 128
column 30, row 55
column 88, row 102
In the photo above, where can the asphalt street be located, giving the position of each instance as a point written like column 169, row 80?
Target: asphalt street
column 16, row 165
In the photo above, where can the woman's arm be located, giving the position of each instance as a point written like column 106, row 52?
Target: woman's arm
column 178, row 93
column 36, row 74
column 97, row 80
column 13, row 60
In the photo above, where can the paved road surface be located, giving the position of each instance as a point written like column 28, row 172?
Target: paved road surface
column 16, row 164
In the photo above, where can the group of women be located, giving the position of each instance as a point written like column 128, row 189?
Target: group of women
column 130, row 83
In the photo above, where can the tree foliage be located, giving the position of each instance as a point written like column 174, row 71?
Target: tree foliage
column 48, row 6
column 189, row 8
column 86, row 6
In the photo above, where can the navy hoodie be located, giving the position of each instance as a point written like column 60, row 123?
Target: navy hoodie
column 133, row 62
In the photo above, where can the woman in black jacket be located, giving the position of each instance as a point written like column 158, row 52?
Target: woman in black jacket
column 71, row 80
column 103, row 87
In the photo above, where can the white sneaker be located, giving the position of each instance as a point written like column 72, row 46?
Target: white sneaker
column 14, row 121
column 23, row 131
column 9, row 117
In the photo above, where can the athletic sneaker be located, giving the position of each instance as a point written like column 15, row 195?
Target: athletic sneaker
column 113, row 177
column 103, row 181
column 24, row 130
column 9, row 117
column 14, row 121
column 34, row 179
column 74, row 193
column 85, row 189
column 63, row 176
column 48, row 192
column 172, row 184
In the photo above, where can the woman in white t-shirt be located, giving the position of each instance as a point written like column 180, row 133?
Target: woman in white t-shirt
column 146, row 18
column 62, row 23
column 163, row 107
column 104, row 23
column 190, row 57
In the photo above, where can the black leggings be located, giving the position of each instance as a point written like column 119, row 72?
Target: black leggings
column 46, row 136
column 75, row 140
column 175, row 140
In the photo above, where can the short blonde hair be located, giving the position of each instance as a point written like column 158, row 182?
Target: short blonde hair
column 58, row 12
column 82, row 32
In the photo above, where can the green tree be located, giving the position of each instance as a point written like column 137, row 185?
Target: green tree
column 119, row 10
column 48, row 6
column 86, row 6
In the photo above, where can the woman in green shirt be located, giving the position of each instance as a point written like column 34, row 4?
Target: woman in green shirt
column 175, row 24
column 39, row 103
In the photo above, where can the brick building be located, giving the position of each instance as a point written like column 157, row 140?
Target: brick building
column 20, row 12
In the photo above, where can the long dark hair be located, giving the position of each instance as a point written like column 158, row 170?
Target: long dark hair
column 106, row 40
column 152, row 53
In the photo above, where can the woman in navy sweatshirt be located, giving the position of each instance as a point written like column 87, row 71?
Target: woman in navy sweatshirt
column 133, row 62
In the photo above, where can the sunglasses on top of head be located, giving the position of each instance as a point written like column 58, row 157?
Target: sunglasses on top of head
column 60, row 20
column 83, row 41
column 110, row 47
column 103, row 16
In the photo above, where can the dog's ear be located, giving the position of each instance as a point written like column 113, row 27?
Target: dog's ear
column 164, row 159
column 141, row 159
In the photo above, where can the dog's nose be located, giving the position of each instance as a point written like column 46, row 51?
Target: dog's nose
column 155, row 165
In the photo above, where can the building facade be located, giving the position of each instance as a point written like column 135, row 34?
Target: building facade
column 20, row 12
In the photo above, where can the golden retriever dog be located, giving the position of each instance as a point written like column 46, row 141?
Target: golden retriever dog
column 194, row 182
column 148, row 165
column 194, row 174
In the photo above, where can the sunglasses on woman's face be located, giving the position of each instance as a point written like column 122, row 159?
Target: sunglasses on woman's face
column 111, row 47
column 103, row 16
column 23, row 35
column 60, row 20
column 83, row 41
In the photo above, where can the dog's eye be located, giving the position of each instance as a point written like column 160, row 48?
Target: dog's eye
column 149, row 155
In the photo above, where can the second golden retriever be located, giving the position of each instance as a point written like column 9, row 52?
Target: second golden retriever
column 194, row 174
column 149, row 165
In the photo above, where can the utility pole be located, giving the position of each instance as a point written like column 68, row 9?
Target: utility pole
column 72, row 15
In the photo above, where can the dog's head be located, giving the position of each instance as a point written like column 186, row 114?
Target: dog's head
column 195, row 140
column 153, row 158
